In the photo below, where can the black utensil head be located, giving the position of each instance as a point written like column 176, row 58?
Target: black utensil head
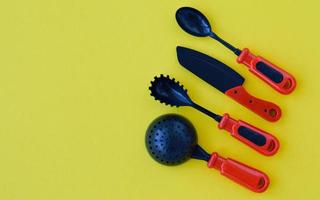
column 169, row 91
column 171, row 139
column 211, row 70
column 193, row 22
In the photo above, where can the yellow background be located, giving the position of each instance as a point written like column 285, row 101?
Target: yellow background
column 74, row 103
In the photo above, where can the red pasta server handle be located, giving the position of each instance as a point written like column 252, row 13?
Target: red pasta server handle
column 276, row 77
column 240, row 173
column 254, row 137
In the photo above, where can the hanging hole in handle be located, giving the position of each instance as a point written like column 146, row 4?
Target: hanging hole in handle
column 261, row 183
column 272, row 112
column 271, row 146
column 288, row 84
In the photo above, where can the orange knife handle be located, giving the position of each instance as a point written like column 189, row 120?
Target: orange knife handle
column 265, row 109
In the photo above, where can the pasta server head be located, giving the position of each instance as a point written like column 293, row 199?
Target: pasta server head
column 169, row 91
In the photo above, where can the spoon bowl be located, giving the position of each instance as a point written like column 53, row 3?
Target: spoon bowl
column 193, row 22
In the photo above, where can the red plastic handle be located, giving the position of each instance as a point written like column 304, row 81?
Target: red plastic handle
column 277, row 78
column 265, row 109
column 246, row 176
column 254, row 137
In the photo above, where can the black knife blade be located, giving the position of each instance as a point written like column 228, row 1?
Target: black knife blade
column 209, row 69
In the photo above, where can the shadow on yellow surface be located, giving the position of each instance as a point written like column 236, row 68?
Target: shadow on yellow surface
column 75, row 104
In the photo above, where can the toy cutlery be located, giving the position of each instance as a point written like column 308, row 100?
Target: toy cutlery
column 195, row 23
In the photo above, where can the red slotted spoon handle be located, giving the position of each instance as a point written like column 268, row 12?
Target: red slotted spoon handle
column 276, row 77
column 254, row 137
column 240, row 173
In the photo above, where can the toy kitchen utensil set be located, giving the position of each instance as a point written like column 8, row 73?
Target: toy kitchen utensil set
column 171, row 139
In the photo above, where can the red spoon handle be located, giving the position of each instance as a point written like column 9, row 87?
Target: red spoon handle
column 276, row 77
column 246, row 176
column 254, row 137
column 265, row 109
